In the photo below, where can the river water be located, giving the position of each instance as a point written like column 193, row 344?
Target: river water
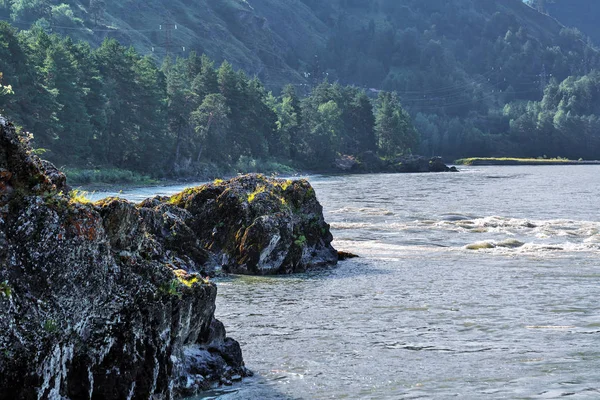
column 479, row 284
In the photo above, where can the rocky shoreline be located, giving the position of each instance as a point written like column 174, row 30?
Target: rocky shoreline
column 522, row 161
column 369, row 162
column 112, row 300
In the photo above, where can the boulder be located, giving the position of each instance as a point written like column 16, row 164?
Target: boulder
column 344, row 255
column 370, row 162
column 413, row 163
column 259, row 226
column 436, row 164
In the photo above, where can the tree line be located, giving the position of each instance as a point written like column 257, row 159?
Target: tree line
column 455, row 66
column 112, row 107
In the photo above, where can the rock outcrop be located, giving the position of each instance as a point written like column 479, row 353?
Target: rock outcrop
column 255, row 225
column 369, row 162
column 420, row 164
column 111, row 301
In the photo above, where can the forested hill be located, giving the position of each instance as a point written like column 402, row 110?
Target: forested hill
column 377, row 43
column 477, row 77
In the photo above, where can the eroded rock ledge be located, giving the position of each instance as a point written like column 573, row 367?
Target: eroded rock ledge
column 112, row 301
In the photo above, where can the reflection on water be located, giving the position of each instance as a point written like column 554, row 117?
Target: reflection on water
column 482, row 284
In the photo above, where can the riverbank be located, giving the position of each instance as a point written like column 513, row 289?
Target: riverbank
column 106, row 178
column 491, row 161
column 114, row 178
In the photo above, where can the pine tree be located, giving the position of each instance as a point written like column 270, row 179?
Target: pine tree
column 394, row 129
column 212, row 124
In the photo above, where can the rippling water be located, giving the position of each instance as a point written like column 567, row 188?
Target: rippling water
column 481, row 284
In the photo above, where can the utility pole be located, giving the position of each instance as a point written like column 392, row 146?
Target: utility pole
column 317, row 75
column 543, row 79
column 167, row 28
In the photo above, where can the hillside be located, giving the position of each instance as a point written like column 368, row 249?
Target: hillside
column 279, row 39
column 476, row 76
column 580, row 14
column 225, row 30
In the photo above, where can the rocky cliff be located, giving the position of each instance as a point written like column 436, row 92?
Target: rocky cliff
column 111, row 301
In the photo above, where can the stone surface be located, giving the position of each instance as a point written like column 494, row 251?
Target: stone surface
column 369, row 162
column 96, row 300
column 258, row 226
column 111, row 301
column 419, row 164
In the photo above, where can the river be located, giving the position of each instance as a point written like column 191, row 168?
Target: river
column 479, row 284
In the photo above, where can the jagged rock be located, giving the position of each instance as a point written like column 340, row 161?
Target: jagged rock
column 420, row 164
column 411, row 164
column 95, row 300
column 436, row 164
column 255, row 225
column 344, row 255
column 370, row 162
column 58, row 179
column 110, row 300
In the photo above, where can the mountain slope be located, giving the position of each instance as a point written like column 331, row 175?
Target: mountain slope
column 466, row 70
column 581, row 14
column 279, row 39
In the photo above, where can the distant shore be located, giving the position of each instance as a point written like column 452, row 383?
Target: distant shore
column 107, row 177
column 481, row 161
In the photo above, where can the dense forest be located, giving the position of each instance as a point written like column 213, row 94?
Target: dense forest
column 111, row 107
column 322, row 78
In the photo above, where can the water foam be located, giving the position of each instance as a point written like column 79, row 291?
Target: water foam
column 494, row 234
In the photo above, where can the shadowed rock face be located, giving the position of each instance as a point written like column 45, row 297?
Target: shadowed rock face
column 259, row 226
column 109, row 300
column 95, row 301
column 369, row 162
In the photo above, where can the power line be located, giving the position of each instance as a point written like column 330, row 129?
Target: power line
column 74, row 28
column 167, row 28
column 543, row 79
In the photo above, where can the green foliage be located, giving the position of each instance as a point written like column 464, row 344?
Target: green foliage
column 63, row 16
column 581, row 15
column 259, row 190
column 51, row 326
column 395, row 132
column 5, row 289
column 79, row 197
column 189, row 280
column 564, row 122
column 511, row 161
column 301, row 241
column 4, row 90
column 457, row 78
column 110, row 115
column 29, row 10
column 171, row 288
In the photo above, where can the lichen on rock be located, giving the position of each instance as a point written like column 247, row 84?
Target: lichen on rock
column 259, row 226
